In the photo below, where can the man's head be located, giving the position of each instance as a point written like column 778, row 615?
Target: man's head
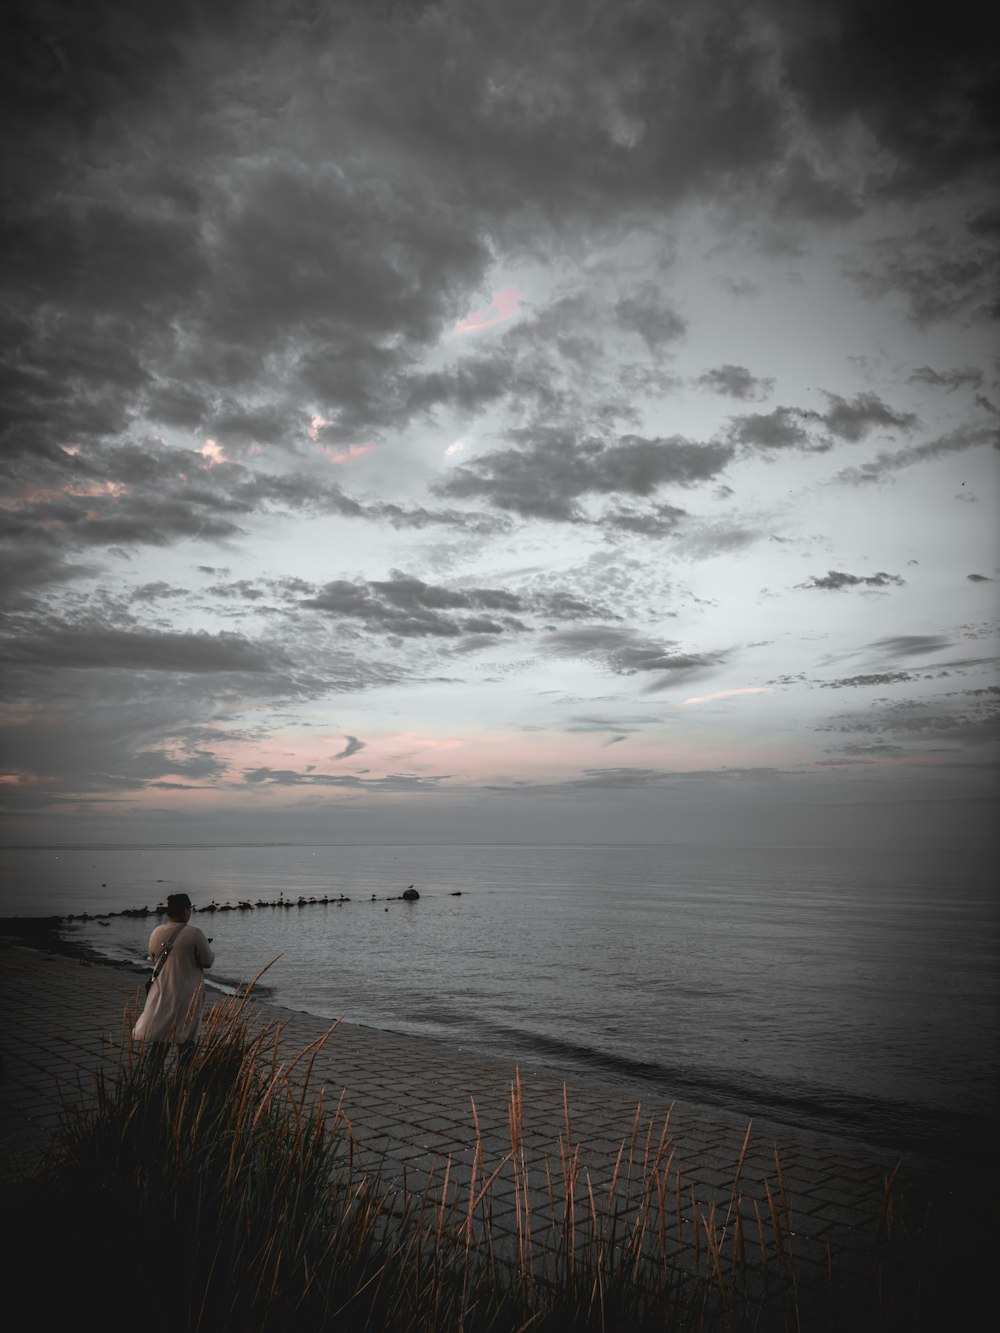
column 178, row 906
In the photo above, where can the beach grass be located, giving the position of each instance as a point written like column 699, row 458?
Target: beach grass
column 226, row 1194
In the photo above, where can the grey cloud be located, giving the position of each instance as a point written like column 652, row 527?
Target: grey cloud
column 551, row 469
column 155, row 763
column 835, row 580
column 741, row 288
column 855, row 419
column 645, row 313
column 969, row 723
column 920, row 88
column 284, row 777
column 845, row 419
column 163, row 267
column 801, row 190
column 352, row 746
column 875, row 678
column 857, row 748
column 411, row 608
column 736, row 382
column 153, row 495
column 947, row 379
column 912, row 645
column 622, row 723
column 779, row 429
column 156, row 592
column 623, row 778
column 99, row 648
column 971, row 436
column 657, row 521
column 935, row 275
column 625, row 653
column 30, row 562
column 564, row 606
column 255, row 590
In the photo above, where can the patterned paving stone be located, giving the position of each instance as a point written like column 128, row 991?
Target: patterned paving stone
column 412, row 1104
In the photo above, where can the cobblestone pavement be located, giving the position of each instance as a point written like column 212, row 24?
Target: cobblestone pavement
column 410, row 1104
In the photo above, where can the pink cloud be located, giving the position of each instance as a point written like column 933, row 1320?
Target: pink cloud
column 505, row 304
column 727, row 694
column 213, row 453
column 46, row 494
column 317, row 422
column 345, row 456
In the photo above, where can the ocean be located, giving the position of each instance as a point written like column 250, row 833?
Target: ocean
column 849, row 992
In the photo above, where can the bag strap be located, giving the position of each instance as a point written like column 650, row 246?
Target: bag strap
column 166, row 949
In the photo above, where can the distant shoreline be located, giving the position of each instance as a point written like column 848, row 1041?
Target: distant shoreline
column 44, row 933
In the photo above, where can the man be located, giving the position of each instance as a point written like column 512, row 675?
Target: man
column 180, row 953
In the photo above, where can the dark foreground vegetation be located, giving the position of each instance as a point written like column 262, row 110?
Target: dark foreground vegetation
column 223, row 1195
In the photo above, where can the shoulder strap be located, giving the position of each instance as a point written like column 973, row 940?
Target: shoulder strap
column 166, row 949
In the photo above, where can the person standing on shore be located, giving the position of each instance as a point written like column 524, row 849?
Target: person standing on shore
column 180, row 954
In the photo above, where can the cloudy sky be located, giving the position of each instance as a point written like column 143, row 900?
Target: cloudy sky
column 499, row 420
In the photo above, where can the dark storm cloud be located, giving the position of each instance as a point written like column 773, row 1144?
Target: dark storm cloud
column 546, row 471
column 835, row 580
column 162, row 265
column 736, row 382
column 923, row 89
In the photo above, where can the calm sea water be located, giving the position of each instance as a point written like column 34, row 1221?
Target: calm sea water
column 851, row 992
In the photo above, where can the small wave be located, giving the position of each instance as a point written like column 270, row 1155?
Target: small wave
column 886, row 1122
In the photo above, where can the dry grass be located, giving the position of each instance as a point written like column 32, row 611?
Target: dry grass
column 231, row 1175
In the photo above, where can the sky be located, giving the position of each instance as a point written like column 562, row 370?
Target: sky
column 500, row 422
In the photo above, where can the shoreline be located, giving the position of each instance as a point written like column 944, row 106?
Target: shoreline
column 411, row 1102
column 43, row 935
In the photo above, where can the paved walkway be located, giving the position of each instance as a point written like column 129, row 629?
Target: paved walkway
column 409, row 1102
